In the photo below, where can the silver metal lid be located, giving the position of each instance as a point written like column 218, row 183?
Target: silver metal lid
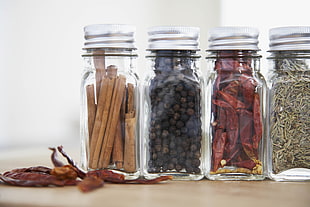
column 233, row 38
column 173, row 38
column 289, row 38
column 109, row 36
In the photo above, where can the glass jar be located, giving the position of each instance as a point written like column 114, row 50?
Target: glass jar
column 289, row 104
column 110, row 100
column 235, row 106
column 173, row 105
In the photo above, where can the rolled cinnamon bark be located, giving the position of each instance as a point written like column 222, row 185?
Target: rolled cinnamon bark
column 114, row 113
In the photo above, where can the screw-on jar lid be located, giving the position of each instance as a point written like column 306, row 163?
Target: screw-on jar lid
column 233, row 38
column 109, row 36
column 173, row 38
column 289, row 38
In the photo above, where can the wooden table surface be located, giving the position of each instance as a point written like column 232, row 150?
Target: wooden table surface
column 173, row 193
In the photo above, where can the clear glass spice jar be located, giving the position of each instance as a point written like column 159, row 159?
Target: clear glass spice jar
column 110, row 100
column 173, row 105
column 289, row 104
column 235, row 106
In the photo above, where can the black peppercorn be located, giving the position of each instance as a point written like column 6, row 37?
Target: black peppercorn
column 179, row 124
column 170, row 166
column 183, row 100
column 191, row 104
column 191, row 93
column 158, row 148
column 176, row 116
column 184, row 117
column 179, row 87
column 165, row 134
column 190, row 112
column 183, row 93
column 175, row 125
column 176, row 107
column 193, row 147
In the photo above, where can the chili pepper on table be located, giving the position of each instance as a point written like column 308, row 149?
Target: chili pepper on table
column 106, row 175
column 64, row 175
column 34, row 176
column 38, row 169
column 90, row 183
column 56, row 162
column 80, row 172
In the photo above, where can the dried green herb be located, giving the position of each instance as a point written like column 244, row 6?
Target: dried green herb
column 290, row 116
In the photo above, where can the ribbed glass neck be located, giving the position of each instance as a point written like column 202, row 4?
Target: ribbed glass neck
column 110, row 52
column 173, row 53
column 232, row 54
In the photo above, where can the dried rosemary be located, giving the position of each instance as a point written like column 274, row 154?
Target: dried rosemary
column 290, row 116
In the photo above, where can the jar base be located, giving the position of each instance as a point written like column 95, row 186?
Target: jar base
column 176, row 176
column 296, row 174
column 235, row 176
column 128, row 175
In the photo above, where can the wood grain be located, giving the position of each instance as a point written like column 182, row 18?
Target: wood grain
column 174, row 193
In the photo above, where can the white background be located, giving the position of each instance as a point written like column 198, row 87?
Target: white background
column 41, row 63
column 265, row 14
column 40, row 52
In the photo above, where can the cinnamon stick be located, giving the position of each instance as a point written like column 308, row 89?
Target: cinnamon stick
column 99, row 62
column 111, row 71
column 113, row 131
column 130, row 123
column 130, row 98
column 102, row 112
column 129, row 151
column 118, row 146
column 91, row 107
column 114, row 113
column 93, row 128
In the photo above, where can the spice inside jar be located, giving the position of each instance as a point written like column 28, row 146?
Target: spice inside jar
column 236, row 112
column 175, row 125
column 289, row 105
column 173, row 103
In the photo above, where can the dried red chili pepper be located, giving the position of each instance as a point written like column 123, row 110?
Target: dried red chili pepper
column 38, row 169
column 247, row 88
column 27, row 182
column 106, row 175
column 220, row 121
column 234, row 102
column 90, row 183
column 246, row 132
column 249, row 164
column 66, row 172
column 234, row 91
column 33, row 179
column 67, row 175
column 258, row 126
column 231, row 127
column 218, row 146
column 80, row 172
column 225, row 64
column 232, row 88
column 56, row 162
column 150, row 181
